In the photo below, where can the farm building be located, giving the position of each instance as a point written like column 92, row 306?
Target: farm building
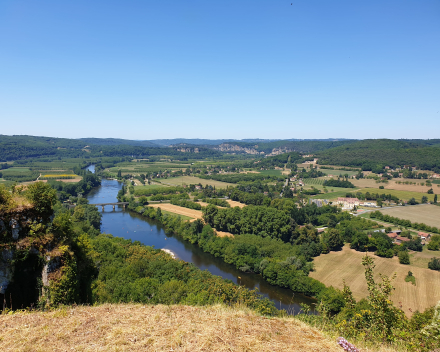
column 369, row 204
column 348, row 203
column 424, row 235
column 319, row 202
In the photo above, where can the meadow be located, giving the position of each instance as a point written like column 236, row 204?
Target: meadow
column 333, row 268
column 338, row 172
column 271, row 172
column 187, row 180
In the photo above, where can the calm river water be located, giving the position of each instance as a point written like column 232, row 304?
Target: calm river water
column 132, row 226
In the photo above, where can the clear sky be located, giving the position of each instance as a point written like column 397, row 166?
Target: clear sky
column 220, row 69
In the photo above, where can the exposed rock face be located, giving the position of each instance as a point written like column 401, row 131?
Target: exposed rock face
column 226, row 147
column 278, row 151
column 52, row 265
column 187, row 150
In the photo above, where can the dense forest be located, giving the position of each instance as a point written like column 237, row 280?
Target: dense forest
column 376, row 154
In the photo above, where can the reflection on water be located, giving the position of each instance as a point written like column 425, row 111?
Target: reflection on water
column 132, row 226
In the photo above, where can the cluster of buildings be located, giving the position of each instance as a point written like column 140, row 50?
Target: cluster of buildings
column 350, row 203
column 395, row 236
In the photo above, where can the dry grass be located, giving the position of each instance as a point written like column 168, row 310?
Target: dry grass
column 192, row 213
column 424, row 213
column 346, row 265
column 132, row 327
column 233, row 203
column 223, row 234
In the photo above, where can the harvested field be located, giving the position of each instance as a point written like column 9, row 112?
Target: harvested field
column 426, row 213
column 135, row 327
column 412, row 188
column 187, row 180
column 346, row 265
column 195, row 214
column 233, row 203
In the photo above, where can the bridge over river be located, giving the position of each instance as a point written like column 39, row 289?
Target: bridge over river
column 114, row 204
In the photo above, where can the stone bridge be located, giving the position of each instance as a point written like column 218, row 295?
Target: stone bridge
column 114, row 204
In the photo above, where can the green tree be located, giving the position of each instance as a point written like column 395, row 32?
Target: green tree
column 333, row 239
column 424, row 199
column 435, row 199
column 43, row 197
column 403, row 257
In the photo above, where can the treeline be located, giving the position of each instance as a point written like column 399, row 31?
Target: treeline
column 338, row 183
column 65, row 190
column 372, row 196
column 236, row 178
column 216, row 201
column 186, row 204
column 403, row 222
column 374, row 155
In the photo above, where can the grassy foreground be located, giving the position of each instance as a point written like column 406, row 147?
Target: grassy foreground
column 135, row 327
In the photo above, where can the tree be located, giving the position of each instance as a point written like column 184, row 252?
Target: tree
column 403, row 257
column 333, row 240
column 434, row 264
column 430, row 191
column 43, row 197
column 424, row 199
column 412, row 201
column 435, row 199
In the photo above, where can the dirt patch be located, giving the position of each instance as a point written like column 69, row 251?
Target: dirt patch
column 224, row 234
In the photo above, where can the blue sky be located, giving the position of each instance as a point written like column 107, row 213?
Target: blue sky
column 220, row 69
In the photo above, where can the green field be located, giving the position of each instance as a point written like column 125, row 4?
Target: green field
column 271, row 172
column 14, row 170
column 313, row 181
column 188, row 180
column 338, row 172
column 151, row 186
column 404, row 195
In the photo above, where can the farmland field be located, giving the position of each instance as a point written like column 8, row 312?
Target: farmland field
column 346, row 265
column 271, row 172
column 424, row 213
column 404, row 195
column 234, row 204
column 338, row 172
column 179, row 181
column 193, row 214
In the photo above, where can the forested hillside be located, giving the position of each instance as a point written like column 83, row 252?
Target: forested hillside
column 368, row 154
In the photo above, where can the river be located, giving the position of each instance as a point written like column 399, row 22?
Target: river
column 129, row 225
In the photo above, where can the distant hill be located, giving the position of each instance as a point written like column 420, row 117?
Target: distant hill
column 423, row 154
column 117, row 141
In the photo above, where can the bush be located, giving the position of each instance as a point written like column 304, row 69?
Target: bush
column 434, row 264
